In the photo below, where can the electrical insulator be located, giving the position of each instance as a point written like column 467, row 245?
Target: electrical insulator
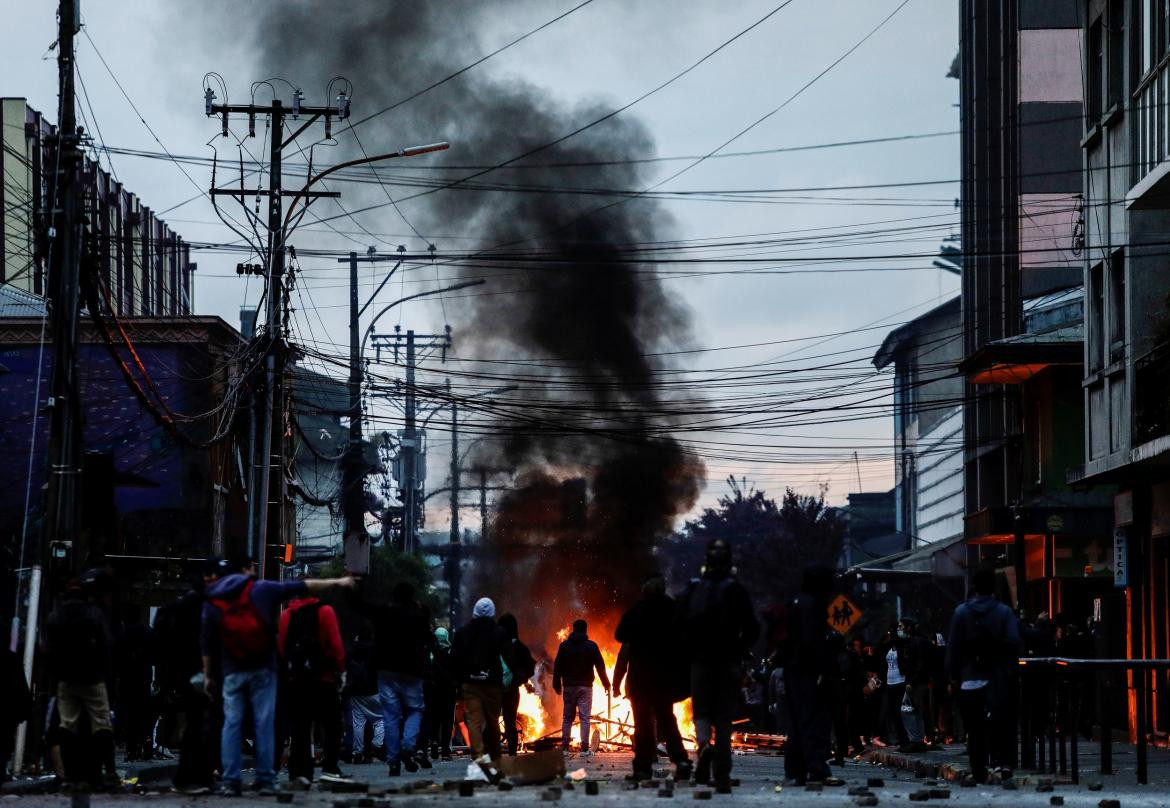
column 251, row 123
column 342, row 106
column 297, row 96
column 208, row 100
column 328, row 127
column 225, row 122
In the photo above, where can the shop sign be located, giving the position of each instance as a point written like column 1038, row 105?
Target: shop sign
column 1121, row 557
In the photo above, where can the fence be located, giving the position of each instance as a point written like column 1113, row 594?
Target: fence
column 1052, row 742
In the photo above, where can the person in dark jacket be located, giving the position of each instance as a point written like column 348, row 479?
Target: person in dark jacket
column 402, row 640
column 650, row 664
column 18, row 705
column 78, row 650
column 809, row 679
column 721, row 627
column 477, row 650
column 361, row 690
column 982, row 656
column 442, row 696
column 573, row 669
column 912, row 657
column 522, row 666
column 133, row 648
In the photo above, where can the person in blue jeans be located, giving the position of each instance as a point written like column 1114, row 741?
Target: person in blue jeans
column 240, row 618
column 402, row 643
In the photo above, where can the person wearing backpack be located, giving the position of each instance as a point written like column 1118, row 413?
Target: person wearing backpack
column 314, row 660
column 239, row 647
column 650, row 663
column 720, row 625
column 523, row 666
column 478, row 651
column 982, row 655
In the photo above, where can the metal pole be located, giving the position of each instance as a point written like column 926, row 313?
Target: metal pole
column 30, row 647
column 409, row 453
column 453, row 555
column 274, row 360
column 1142, row 771
column 483, row 511
column 357, row 550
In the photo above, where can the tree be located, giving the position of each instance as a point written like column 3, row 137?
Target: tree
column 388, row 566
column 772, row 543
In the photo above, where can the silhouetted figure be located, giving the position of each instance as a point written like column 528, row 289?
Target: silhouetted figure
column 477, row 650
column 810, row 675
column 720, row 627
column 522, row 666
column 442, row 696
column 653, row 667
column 982, row 655
column 573, row 668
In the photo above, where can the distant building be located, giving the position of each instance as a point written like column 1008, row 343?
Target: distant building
column 147, row 267
column 870, row 528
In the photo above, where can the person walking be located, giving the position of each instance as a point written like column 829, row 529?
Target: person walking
column 913, row 661
column 78, row 645
column 982, row 654
column 178, row 670
column 401, row 645
column 576, row 659
column 239, row 639
column 522, row 666
column 477, row 652
column 444, row 694
column 720, row 625
column 309, row 642
column 653, row 670
column 361, row 688
column 809, row 679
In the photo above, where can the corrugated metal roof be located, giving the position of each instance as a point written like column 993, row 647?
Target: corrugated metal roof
column 19, row 303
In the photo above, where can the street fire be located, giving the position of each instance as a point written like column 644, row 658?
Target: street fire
column 539, row 713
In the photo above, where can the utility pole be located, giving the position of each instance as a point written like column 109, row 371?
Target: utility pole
column 454, row 554
column 264, row 494
column 409, row 455
column 62, row 505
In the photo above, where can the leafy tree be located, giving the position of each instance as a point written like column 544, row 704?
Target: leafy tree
column 772, row 542
column 388, row 566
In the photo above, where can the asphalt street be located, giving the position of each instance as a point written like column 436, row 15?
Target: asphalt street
column 760, row 782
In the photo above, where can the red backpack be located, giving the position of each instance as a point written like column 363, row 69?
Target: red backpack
column 244, row 632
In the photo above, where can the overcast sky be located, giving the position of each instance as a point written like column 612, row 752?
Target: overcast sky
column 610, row 51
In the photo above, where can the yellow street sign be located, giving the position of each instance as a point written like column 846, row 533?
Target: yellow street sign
column 843, row 614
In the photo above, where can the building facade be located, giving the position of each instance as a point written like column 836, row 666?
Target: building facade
column 146, row 267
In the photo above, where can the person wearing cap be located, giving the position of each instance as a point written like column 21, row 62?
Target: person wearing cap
column 477, row 651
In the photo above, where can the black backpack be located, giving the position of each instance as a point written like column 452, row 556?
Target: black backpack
column 303, row 656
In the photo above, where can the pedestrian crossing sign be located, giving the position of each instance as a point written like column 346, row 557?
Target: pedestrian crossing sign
column 843, row 614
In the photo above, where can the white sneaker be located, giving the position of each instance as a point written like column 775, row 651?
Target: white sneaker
column 586, row 753
column 335, row 777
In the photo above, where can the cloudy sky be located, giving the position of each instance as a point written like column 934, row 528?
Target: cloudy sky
column 884, row 198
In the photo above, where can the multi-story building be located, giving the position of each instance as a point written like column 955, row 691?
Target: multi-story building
column 1126, row 379
column 146, row 267
column 1023, row 215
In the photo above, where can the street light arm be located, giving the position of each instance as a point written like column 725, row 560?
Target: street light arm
column 455, row 287
column 409, row 151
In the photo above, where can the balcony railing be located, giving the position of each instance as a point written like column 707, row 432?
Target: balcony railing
column 1151, row 395
column 1151, row 101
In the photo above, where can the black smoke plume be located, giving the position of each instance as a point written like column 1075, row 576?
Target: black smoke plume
column 599, row 478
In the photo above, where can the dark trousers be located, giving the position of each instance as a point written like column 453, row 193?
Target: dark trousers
column 654, row 722
column 199, row 746
column 808, row 745
column 440, row 717
column 510, row 705
column 715, row 693
column 312, row 702
column 990, row 734
column 894, row 696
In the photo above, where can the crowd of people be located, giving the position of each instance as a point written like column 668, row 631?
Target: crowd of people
column 244, row 664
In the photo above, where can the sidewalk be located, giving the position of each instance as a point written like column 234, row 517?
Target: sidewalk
column 950, row 763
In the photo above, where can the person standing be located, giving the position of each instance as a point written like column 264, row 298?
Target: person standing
column 239, row 639
column 178, row 667
column 913, row 655
column 77, row 642
column 401, row 645
column 522, row 666
column 309, row 641
column 721, row 627
column 982, row 654
column 810, row 675
column 651, row 665
column 573, row 668
column 361, row 686
column 477, row 652
column 443, row 696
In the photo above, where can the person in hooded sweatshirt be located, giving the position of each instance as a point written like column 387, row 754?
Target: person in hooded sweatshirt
column 477, row 651
column 522, row 666
column 720, row 626
column 573, row 669
column 652, row 667
column 442, row 696
column 240, row 620
column 982, row 654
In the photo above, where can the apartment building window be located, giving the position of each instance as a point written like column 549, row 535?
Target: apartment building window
column 1096, row 320
column 1117, row 307
column 1096, row 77
column 1152, row 36
column 1115, row 51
